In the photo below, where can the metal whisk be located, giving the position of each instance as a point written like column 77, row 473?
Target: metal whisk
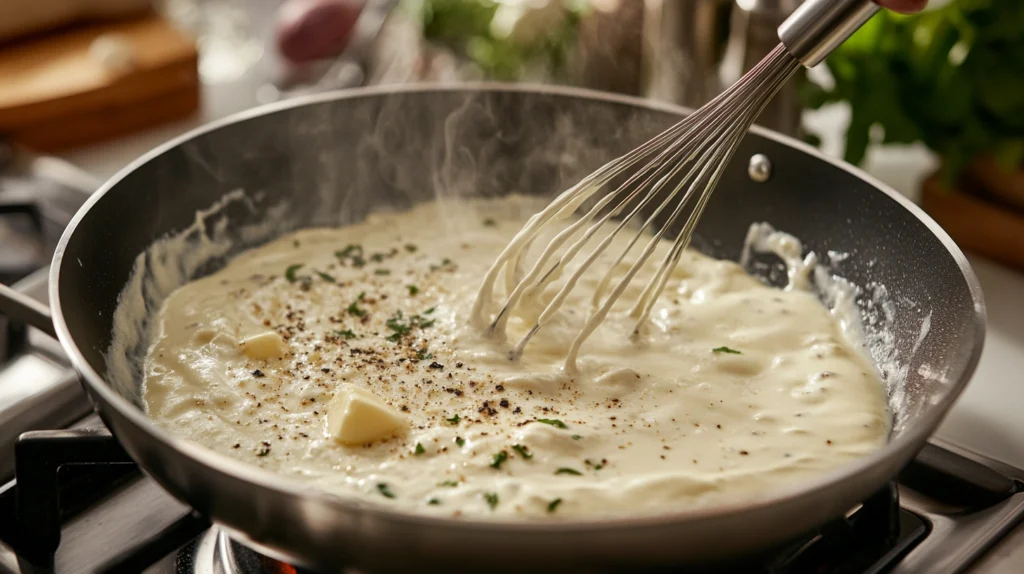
column 681, row 166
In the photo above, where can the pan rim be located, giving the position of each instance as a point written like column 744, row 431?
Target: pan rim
column 238, row 470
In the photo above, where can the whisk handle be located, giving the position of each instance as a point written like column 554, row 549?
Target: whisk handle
column 819, row 26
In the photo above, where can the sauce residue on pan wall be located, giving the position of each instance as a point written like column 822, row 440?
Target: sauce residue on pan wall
column 346, row 358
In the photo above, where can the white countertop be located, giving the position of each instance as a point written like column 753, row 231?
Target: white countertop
column 989, row 418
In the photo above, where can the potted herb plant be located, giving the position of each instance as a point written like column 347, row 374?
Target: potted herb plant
column 952, row 78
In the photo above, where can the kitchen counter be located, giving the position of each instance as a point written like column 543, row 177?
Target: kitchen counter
column 987, row 418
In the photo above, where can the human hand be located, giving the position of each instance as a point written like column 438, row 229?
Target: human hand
column 903, row 6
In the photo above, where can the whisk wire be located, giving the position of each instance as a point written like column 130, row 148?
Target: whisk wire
column 682, row 166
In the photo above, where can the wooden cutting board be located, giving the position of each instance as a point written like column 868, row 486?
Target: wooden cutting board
column 59, row 90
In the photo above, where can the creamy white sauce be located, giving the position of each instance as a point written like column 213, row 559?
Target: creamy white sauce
column 261, row 364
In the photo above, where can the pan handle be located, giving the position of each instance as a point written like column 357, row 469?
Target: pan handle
column 21, row 308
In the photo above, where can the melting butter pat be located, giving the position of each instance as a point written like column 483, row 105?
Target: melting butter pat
column 357, row 416
column 264, row 346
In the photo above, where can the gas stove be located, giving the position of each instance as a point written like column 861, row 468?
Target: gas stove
column 71, row 500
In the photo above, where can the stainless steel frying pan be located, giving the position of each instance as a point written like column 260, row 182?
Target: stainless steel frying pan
column 331, row 159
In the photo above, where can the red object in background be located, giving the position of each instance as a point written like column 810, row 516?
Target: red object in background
column 314, row 29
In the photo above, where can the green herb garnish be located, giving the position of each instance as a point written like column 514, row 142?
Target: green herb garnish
column 455, row 419
column 445, row 263
column 325, row 277
column 492, row 499
column 351, row 250
column 263, row 451
column 577, row 437
column 434, row 501
column 553, row 422
column 726, row 350
column 448, row 483
column 289, row 273
column 353, row 253
column 593, row 465
column 347, row 333
column 410, row 248
column 354, row 309
column 413, row 290
column 429, row 311
column 567, row 470
column 499, row 458
column 554, row 504
column 522, row 450
column 384, row 489
column 382, row 272
column 423, row 355
column 490, row 222
column 460, row 441
column 420, row 449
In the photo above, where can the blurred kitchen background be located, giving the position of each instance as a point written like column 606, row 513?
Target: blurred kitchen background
column 931, row 104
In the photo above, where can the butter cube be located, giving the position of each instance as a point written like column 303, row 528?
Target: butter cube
column 357, row 416
column 264, row 346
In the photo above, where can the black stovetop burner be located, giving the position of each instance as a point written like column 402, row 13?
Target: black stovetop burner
column 61, row 473
column 38, row 198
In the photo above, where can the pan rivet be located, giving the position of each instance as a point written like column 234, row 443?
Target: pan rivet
column 760, row 168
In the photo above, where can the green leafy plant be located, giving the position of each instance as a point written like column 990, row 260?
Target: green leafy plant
column 951, row 77
column 466, row 27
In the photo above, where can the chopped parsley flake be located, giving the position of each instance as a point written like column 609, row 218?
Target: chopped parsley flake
column 354, row 309
column 726, row 350
column 382, row 272
column 577, row 437
column 490, row 222
column 429, row 311
column 347, row 333
column 522, row 450
column 396, row 324
column 445, row 264
column 492, row 499
column 499, row 458
column 263, row 451
column 553, row 422
column 420, row 449
column 592, row 464
column 402, row 326
column 352, row 253
column 410, row 248
column 351, row 250
column 325, row 277
column 423, row 355
column 385, row 490
column 460, row 441
column 567, row 470
column 455, row 419
column 289, row 273
column 554, row 504
column 413, row 290
column 434, row 501
column 377, row 257
column 448, row 483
